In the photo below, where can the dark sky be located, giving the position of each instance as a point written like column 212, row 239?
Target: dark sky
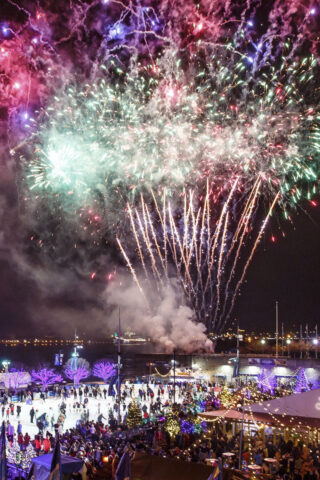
column 286, row 271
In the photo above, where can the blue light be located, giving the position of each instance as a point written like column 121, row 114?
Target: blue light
column 250, row 59
column 250, row 23
column 313, row 11
column 116, row 32
column 5, row 30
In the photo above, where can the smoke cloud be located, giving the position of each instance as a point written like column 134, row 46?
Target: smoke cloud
column 170, row 323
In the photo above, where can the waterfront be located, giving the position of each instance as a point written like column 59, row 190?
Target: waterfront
column 136, row 360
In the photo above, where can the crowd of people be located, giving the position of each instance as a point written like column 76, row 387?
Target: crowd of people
column 97, row 438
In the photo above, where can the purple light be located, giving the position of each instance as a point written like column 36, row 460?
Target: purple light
column 45, row 376
column 5, row 30
column 103, row 370
column 26, row 115
column 250, row 23
column 34, row 40
column 313, row 11
column 250, row 59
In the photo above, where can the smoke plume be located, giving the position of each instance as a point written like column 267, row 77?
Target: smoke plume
column 169, row 323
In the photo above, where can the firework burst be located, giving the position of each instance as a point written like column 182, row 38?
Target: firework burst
column 170, row 127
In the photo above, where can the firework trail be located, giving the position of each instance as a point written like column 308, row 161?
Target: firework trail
column 199, row 249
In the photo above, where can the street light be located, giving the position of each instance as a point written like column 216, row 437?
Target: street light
column 6, row 364
column 288, row 341
column 315, row 342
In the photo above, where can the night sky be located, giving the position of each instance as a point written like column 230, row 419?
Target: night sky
column 286, row 271
column 48, row 286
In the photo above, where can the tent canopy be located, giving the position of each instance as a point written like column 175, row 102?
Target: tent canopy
column 306, row 405
column 42, row 465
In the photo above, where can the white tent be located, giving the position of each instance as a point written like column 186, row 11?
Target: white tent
column 306, row 404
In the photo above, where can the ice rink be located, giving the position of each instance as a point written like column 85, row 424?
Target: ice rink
column 95, row 407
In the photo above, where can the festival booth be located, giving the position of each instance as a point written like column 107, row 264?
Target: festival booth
column 296, row 414
column 181, row 375
column 42, row 466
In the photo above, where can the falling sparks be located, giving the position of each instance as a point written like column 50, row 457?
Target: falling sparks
column 203, row 251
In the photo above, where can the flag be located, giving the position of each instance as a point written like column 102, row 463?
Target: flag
column 56, row 470
column 3, row 461
column 124, row 468
column 215, row 474
column 31, row 472
column 235, row 373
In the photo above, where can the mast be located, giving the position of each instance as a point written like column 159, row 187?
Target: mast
column 118, row 369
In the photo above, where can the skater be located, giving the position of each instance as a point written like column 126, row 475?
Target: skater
column 32, row 414
column 18, row 411
column 19, row 428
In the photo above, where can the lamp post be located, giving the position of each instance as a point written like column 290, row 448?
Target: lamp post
column 174, row 363
column 150, row 365
column 75, row 355
column 174, row 377
column 119, row 369
column 5, row 365
column 242, row 425
column 315, row 342
column 277, row 329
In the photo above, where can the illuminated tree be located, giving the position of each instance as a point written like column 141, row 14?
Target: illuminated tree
column 103, row 370
column 45, row 376
column 266, row 383
column 16, row 379
column 172, row 425
column 227, row 399
column 302, row 382
column 76, row 371
column 134, row 417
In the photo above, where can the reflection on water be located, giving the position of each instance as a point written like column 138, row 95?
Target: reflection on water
column 135, row 359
